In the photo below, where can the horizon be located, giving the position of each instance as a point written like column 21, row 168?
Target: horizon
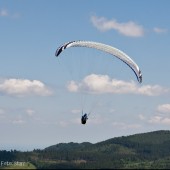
column 20, row 150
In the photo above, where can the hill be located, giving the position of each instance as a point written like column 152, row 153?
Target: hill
column 147, row 150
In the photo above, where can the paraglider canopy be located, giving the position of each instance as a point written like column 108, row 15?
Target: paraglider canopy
column 106, row 48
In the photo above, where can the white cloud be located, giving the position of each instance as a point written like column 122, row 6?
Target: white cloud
column 2, row 114
column 2, row 111
column 76, row 121
column 125, row 126
column 162, row 115
column 18, row 121
column 30, row 112
column 129, row 28
column 4, row 13
column 159, row 30
column 152, row 90
column 97, row 120
column 141, row 117
column 164, row 108
column 76, row 111
column 23, row 87
column 99, row 84
column 158, row 119
column 63, row 123
column 72, row 86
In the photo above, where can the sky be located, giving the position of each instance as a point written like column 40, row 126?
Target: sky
column 41, row 97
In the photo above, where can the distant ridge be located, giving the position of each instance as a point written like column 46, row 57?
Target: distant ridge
column 149, row 150
column 154, row 137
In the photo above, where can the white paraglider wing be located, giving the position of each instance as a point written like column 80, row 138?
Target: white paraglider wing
column 106, row 48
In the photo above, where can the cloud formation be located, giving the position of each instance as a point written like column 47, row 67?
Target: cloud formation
column 30, row 112
column 164, row 108
column 125, row 126
column 159, row 30
column 160, row 119
column 99, row 84
column 2, row 112
column 129, row 28
column 6, row 13
column 23, row 87
column 18, row 121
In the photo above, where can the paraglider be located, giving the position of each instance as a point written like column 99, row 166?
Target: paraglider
column 84, row 118
column 105, row 48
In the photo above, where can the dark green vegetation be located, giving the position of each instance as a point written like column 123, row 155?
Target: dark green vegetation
column 141, row 151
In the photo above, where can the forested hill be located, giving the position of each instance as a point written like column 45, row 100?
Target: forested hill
column 146, row 150
column 150, row 138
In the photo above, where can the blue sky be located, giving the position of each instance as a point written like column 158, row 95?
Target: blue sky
column 38, row 107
